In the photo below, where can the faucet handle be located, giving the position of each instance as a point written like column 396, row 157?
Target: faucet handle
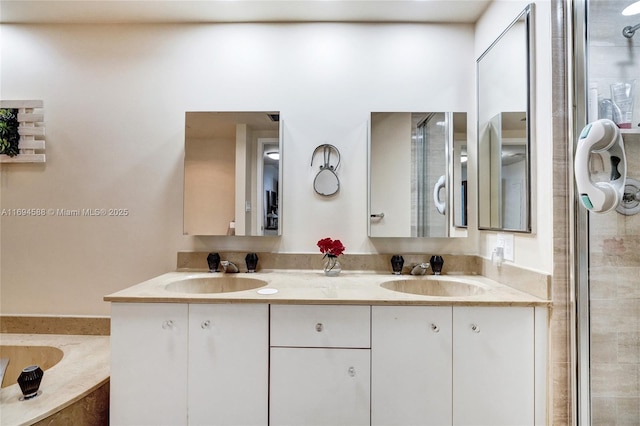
column 213, row 260
column 436, row 264
column 251, row 259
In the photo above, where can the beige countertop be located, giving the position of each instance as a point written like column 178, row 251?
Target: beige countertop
column 313, row 287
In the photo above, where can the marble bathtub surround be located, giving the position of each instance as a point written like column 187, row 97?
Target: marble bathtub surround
column 92, row 409
column 531, row 282
column 96, row 326
column 44, row 356
column 85, row 360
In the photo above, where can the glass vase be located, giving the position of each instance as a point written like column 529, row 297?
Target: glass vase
column 332, row 266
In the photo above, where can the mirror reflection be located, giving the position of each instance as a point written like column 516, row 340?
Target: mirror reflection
column 410, row 175
column 460, row 210
column 504, row 120
column 232, row 173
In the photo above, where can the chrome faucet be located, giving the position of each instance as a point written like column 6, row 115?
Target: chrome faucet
column 420, row 268
column 229, row 267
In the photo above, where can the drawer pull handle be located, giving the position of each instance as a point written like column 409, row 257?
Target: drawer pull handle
column 475, row 328
column 319, row 327
column 168, row 324
column 352, row 372
column 435, row 328
column 205, row 324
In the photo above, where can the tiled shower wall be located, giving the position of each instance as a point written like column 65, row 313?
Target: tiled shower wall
column 614, row 242
column 614, row 239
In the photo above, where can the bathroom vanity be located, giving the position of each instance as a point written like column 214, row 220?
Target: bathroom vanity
column 326, row 350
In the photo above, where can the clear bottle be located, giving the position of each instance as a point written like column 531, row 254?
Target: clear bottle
column 609, row 110
column 622, row 97
column 592, row 102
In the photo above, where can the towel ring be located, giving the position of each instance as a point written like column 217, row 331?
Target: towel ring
column 326, row 182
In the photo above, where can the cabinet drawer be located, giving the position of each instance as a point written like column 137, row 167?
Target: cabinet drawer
column 325, row 326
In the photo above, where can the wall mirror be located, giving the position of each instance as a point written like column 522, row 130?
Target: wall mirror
column 411, row 173
column 504, row 87
column 232, row 173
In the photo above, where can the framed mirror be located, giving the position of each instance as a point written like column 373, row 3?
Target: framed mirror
column 232, row 173
column 504, row 85
column 411, row 173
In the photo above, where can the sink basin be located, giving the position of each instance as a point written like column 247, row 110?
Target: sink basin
column 217, row 284
column 435, row 287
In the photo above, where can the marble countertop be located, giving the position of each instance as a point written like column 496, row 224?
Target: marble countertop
column 83, row 368
column 313, row 287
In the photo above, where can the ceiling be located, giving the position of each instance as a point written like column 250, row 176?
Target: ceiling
column 202, row 11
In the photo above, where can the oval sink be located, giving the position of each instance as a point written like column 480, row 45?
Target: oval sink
column 435, row 287
column 219, row 284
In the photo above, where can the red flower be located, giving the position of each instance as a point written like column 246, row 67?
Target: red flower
column 331, row 247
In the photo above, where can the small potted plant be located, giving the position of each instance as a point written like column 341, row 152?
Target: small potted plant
column 9, row 135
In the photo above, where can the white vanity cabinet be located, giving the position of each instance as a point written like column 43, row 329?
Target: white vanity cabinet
column 228, row 364
column 198, row 364
column 320, row 365
column 493, row 366
column 285, row 364
column 458, row 365
column 148, row 364
column 411, row 362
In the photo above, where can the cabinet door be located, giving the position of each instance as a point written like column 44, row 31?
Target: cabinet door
column 319, row 386
column 228, row 364
column 493, row 358
column 411, row 365
column 148, row 364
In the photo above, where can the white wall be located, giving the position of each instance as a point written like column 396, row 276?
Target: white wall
column 115, row 99
column 533, row 251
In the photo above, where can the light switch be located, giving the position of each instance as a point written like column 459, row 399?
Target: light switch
column 506, row 241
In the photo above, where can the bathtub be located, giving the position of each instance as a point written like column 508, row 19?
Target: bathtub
column 75, row 386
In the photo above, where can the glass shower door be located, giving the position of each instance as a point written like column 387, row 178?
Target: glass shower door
column 608, row 264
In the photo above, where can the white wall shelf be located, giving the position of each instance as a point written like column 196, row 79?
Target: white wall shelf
column 31, row 129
